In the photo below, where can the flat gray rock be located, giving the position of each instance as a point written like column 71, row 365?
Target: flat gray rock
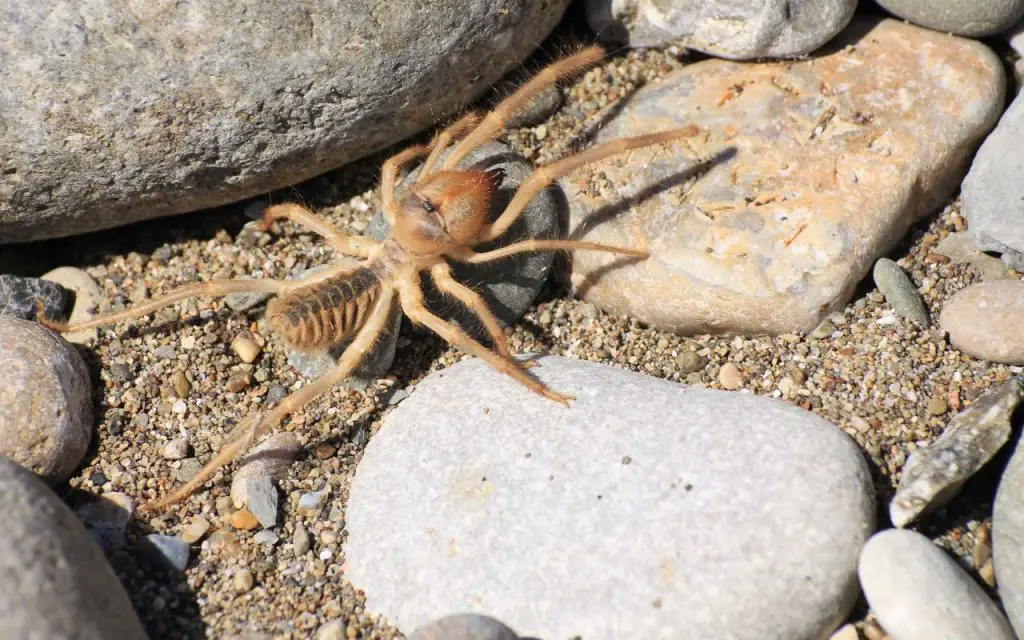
column 646, row 510
column 56, row 582
column 933, row 475
column 977, row 18
column 984, row 320
column 993, row 193
column 45, row 400
column 112, row 111
column 18, row 297
column 735, row 29
column 1008, row 538
column 919, row 593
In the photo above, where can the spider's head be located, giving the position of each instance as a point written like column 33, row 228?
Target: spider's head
column 445, row 210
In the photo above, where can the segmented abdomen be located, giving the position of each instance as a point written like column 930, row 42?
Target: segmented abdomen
column 326, row 312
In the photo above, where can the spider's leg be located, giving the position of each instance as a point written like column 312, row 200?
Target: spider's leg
column 495, row 121
column 349, row 245
column 412, row 304
column 457, row 130
column 543, row 245
column 214, row 288
column 252, row 428
column 442, row 274
column 544, row 176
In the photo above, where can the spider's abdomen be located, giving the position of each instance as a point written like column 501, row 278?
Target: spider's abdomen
column 325, row 313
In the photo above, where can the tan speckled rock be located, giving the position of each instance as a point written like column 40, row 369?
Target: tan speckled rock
column 45, row 400
column 985, row 321
column 814, row 169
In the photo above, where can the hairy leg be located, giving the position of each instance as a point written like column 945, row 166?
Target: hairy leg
column 252, row 428
column 349, row 245
column 440, row 142
column 544, row 176
column 442, row 274
column 389, row 177
column 543, row 245
column 495, row 121
column 412, row 305
column 214, row 288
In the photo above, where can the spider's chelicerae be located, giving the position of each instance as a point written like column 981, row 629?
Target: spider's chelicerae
column 441, row 216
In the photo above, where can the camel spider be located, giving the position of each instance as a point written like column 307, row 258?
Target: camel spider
column 441, row 216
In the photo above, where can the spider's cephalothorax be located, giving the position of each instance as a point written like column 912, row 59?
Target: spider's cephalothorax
column 441, row 216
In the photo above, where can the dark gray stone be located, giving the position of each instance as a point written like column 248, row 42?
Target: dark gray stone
column 112, row 112
column 735, row 29
column 18, row 297
column 56, row 582
column 1008, row 539
column 465, row 626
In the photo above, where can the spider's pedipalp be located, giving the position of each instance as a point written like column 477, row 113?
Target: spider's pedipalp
column 456, row 131
column 389, row 178
column 495, row 120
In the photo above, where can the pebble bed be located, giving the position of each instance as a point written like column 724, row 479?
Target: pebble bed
column 886, row 381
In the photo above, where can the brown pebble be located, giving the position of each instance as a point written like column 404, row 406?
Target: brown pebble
column 987, row 572
column 689, row 361
column 181, row 385
column 223, row 506
column 195, row 530
column 224, row 543
column 244, row 520
column 982, row 551
column 246, row 348
column 238, row 382
column 324, row 451
column 937, row 405
column 243, row 580
column 729, row 376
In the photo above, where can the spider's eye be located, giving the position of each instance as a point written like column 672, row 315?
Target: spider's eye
column 429, row 206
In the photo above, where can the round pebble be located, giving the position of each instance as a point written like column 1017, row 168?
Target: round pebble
column 984, row 320
column 195, row 530
column 919, row 593
column 243, row 581
column 87, row 299
column 45, row 402
column 730, row 377
column 466, row 626
column 177, row 449
column 244, row 520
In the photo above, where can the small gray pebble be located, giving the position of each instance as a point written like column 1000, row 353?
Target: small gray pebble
column 177, row 449
column 301, row 541
column 266, row 537
column 259, row 495
column 465, row 626
column 899, row 291
column 166, row 352
column 690, row 361
column 165, row 551
column 187, row 470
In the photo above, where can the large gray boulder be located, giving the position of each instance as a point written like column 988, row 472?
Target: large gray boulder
column 115, row 111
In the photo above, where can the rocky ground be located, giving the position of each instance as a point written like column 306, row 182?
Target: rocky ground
column 167, row 392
